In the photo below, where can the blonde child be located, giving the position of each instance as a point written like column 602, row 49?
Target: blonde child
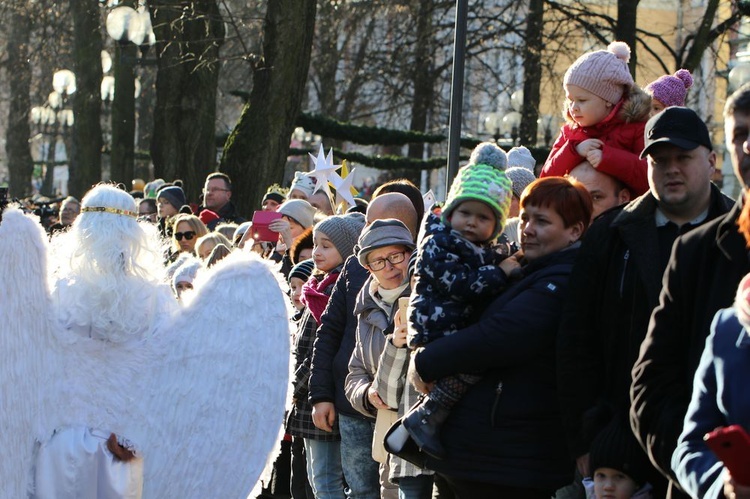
column 669, row 90
column 605, row 115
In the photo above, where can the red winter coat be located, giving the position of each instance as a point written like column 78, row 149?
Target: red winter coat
column 622, row 134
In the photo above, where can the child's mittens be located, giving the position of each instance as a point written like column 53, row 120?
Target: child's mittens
column 594, row 157
column 588, row 145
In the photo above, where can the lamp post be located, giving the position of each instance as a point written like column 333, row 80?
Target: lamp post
column 130, row 27
column 54, row 119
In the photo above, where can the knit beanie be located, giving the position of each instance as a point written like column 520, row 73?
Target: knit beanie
column 604, row 73
column 483, row 179
column 275, row 193
column 303, row 270
column 520, row 178
column 342, row 230
column 186, row 272
column 671, row 90
column 303, row 182
column 152, row 187
column 300, row 210
column 382, row 233
column 174, row 195
column 208, row 216
column 616, row 447
column 520, row 156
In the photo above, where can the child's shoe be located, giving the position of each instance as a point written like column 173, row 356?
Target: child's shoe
column 423, row 422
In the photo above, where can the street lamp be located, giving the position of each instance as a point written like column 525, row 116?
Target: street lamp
column 131, row 28
column 492, row 123
column 54, row 119
column 511, row 124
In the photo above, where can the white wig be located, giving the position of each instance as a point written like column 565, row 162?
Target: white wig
column 110, row 268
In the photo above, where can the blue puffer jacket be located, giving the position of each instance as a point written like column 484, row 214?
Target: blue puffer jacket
column 507, row 429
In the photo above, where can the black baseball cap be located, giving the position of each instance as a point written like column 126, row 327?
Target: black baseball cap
column 679, row 126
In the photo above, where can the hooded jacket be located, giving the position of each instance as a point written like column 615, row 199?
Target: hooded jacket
column 622, row 134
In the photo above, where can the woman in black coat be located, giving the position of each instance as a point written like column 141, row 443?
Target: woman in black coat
column 504, row 438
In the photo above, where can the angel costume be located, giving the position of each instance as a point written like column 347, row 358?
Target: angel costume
column 108, row 351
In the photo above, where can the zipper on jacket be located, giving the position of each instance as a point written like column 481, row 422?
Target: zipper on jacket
column 624, row 268
column 498, row 392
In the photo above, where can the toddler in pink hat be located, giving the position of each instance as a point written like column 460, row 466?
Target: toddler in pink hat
column 605, row 114
column 669, row 90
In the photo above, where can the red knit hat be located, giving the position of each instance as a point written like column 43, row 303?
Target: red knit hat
column 208, row 216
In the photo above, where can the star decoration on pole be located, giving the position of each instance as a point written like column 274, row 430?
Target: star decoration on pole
column 343, row 185
column 323, row 169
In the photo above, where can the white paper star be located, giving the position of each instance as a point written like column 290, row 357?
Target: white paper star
column 323, row 168
column 343, row 188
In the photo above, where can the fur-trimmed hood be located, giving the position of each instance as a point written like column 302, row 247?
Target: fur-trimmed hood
column 633, row 108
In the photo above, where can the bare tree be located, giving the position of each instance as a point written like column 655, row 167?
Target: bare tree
column 189, row 36
column 85, row 160
column 20, row 163
column 255, row 152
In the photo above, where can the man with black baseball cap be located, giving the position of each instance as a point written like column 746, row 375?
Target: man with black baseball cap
column 616, row 281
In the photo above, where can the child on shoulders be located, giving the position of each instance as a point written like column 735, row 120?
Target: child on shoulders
column 605, row 115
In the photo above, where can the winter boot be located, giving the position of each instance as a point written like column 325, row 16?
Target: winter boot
column 423, row 422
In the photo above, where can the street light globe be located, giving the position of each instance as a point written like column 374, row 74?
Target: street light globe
column 106, row 62
column 118, row 22
column 511, row 122
column 36, row 114
column 516, row 100
column 64, row 82
column 492, row 123
column 107, row 89
column 54, row 100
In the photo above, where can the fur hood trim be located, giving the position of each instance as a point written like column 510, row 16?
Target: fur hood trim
column 633, row 108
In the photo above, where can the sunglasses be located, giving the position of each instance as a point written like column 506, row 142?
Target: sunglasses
column 189, row 235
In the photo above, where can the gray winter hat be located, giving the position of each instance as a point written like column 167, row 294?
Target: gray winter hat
column 520, row 178
column 342, row 230
column 300, row 210
column 382, row 233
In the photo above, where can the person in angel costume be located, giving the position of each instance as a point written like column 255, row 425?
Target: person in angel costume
column 113, row 390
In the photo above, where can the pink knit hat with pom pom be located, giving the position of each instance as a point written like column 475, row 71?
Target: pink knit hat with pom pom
column 604, row 73
column 671, row 90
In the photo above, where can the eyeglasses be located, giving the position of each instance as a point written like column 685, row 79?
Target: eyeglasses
column 215, row 189
column 188, row 235
column 393, row 259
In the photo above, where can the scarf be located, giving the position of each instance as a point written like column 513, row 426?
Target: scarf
column 315, row 293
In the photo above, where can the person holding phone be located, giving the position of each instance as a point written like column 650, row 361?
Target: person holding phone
column 719, row 399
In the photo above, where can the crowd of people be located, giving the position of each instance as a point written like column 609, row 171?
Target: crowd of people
column 550, row 330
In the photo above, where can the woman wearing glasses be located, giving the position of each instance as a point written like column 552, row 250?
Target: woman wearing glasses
column 186, row 229
column 385, row 248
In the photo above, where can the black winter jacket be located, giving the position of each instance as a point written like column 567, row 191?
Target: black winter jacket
column 334, row 341
column 614, row 289
column 704, row 271
column 507, row 428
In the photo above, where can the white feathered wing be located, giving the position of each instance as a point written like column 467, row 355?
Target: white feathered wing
column 220, row 386
column 26, row 358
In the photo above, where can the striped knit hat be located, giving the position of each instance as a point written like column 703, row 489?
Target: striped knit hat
column 483, row 179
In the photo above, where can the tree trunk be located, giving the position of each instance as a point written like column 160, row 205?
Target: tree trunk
column 625, row 28
column 256, row 150
column 532, row 73
column 84, row 161
column 423, row 80
column 123, row 110
column 189, row 35
column 20, row 163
